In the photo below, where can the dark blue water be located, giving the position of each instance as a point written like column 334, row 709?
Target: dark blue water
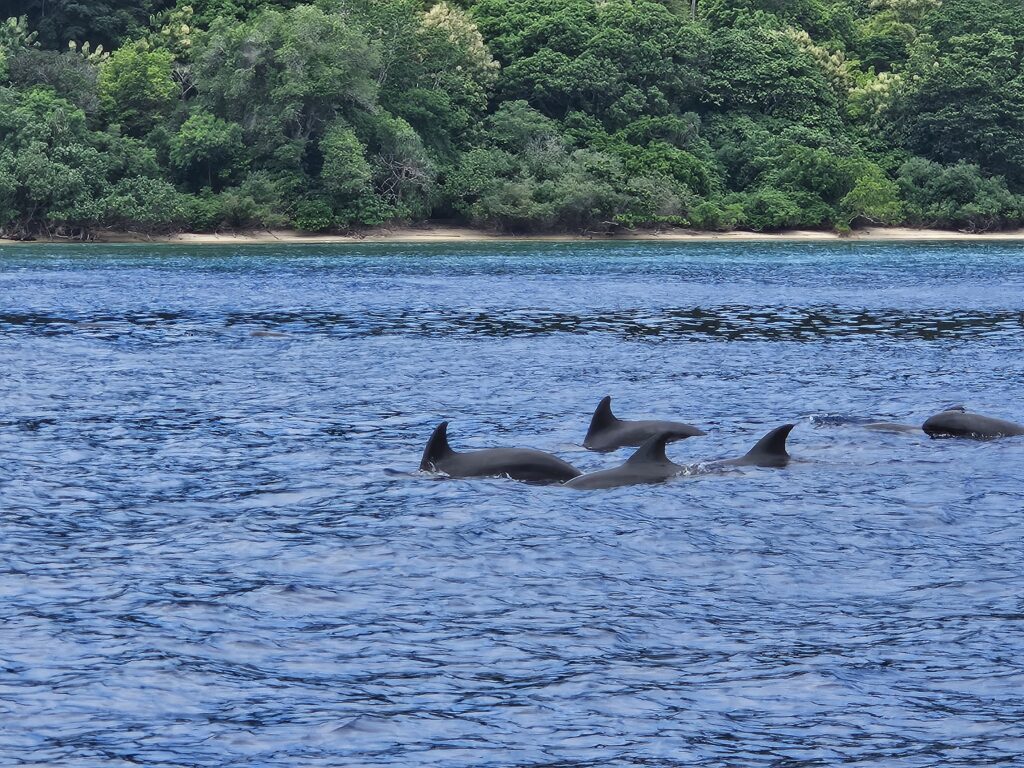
column 211, row 555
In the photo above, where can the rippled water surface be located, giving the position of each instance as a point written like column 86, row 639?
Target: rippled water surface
column 214, row 549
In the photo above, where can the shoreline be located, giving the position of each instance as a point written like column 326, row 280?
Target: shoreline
column 448, row 234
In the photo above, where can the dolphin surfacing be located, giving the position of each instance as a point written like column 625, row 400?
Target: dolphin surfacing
column 770, row 451
column 974, row 426
column 517, row 463
column 648, row 465
column 607, row 432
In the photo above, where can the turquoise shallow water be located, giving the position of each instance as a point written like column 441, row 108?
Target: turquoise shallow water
column 214, row 552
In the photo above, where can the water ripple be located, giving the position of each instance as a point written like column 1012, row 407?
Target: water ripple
column 214, row 550
column 721, row 323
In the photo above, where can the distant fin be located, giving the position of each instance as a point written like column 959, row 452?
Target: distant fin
column 652, row 451
column 437, row 448
column 603, row 416
column 772, row 445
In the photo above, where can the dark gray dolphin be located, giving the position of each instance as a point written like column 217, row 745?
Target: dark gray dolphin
column 648, row 465
column 770, row 451
column 958, row 423
column 607, row 432
column 517, row 463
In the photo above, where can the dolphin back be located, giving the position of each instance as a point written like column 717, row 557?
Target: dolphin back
column 959, row 423
column 652, row 451
column 648, row 464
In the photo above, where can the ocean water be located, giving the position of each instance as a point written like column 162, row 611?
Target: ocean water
column 215, row 549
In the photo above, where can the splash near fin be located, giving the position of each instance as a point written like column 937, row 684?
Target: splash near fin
column 652, row 451
column 772, row 447
column 437, row 448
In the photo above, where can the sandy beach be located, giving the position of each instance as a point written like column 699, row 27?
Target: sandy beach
column 446, row 234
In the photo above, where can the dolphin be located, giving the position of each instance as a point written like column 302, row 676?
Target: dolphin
column 648, row 465
column 959, row 423
column 607, row 433
column 770, row 451
column 516, row 463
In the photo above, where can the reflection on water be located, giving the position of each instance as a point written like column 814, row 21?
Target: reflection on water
column 211, row 552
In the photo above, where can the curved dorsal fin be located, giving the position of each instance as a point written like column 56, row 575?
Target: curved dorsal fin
column 603, row 416
column 437, row 447
column 652, row 451
column 772, row 445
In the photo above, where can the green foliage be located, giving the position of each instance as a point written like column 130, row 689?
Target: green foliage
column 403, row 174
column 826, row 21
column 435, row 70
column 15, row 34
column 760, row 70
column 59, row 176
column 313, row 216
column 874, row 198
column 206, row 150
column 259, row 202
column 284, row 76
column 136, row 87
column 104, row 22
column 769, row 209
column 958, row 196
column 347, row 178
column 69, row 74
column 966, row 103
column 143, row 204
column 517, row 115
column 617, row 60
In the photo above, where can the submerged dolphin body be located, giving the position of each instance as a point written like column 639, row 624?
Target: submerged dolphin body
column 607, row 432
column 892, row 426
column 648, row 465
column 959, row 423
column 517, row 463
column 770, row 451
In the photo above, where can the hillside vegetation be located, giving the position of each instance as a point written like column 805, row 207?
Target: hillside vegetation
column 515, row 115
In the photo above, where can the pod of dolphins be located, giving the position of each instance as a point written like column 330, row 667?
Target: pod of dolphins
column 649, row 464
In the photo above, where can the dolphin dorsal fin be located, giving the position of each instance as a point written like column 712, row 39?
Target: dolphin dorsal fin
column 437, row 447
column 603, row 416
column 772, row 445
column 652, row 451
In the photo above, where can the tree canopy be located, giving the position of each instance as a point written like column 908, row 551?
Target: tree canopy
column 517, row 115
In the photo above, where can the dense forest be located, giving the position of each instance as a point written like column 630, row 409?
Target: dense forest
column 515, row 115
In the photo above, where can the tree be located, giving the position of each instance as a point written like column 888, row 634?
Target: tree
column 102, row 22
column 136, row 87
column 758, row 70
column 346, row 175
column 957, row 196
column 284, row 76
column 965, row 102
column 71, row 75
column 617, row 60
column 144, row 205
column 874, row 198
column 57, row 175
column 207, row 151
